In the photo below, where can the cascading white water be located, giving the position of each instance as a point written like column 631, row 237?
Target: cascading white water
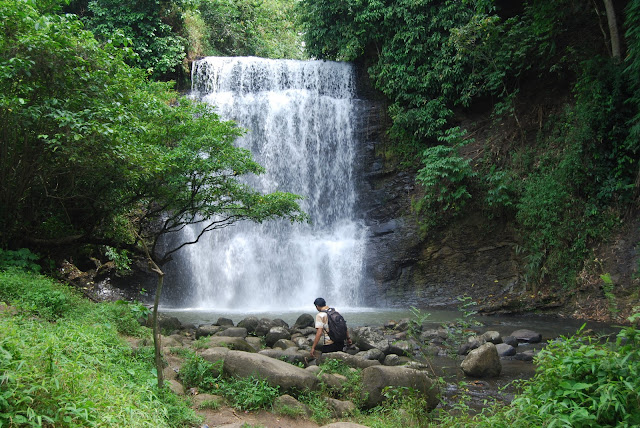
column 300, row 121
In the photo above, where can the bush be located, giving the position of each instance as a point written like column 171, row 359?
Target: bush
column 580, row 383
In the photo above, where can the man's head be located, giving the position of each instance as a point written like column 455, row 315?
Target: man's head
column 320, row 303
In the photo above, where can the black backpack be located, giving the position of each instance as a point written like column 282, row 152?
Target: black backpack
column 337, row 325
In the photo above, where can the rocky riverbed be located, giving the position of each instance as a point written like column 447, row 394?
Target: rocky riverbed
column 470, row 359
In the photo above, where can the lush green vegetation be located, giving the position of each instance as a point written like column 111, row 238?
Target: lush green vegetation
column 164, row 35
column 519, row 109
column 64, row 363
column 95, row 154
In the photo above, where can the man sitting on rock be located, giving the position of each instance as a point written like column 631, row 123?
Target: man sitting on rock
column 322, row 330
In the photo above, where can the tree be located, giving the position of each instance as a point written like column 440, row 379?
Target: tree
column 92, row 153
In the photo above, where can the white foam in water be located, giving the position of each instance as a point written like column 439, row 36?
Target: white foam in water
column 300, row 117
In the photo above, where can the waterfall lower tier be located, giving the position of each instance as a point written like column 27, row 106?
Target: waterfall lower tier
column 301, row 121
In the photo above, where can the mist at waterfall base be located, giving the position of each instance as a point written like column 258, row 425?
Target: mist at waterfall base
column 301, row 118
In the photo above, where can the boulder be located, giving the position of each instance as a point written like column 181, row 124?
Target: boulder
column 510, row 340
column 290, row 355
column 236, row 343
column 263, row 326
column 391, row 360
column 279, row 322
column 224, row 322
column 368, row 338
column 307, row 331
column 376, row 378
column 277, row 373
column 525, row 356
column 350, row 360
column 167, row 323
column 302, row 342
column 505, row 350
column 233, row 332
column 214, row 355
column 170, row 341
column 284, row 344
column 255, row 342
column 303, row 321
column 491, row 336
column 340, row 408
column 175, row 386
column 372, row 354
column 287, row 405
column 529, row 336
column 334, row 381
column 207, row 330
column 401, row 347
column 275, row 334
column 250, row 323
column 482, row 362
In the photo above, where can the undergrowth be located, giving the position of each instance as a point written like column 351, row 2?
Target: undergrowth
column 63, row 362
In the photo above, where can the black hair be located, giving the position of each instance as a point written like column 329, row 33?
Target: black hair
column 320, row 302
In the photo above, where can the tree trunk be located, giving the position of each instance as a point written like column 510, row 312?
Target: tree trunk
column 613, row 29
column 157, row 344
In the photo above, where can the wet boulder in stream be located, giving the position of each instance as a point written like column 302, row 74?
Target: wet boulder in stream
column 482, row 362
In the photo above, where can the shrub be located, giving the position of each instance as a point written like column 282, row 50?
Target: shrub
column 580, row 383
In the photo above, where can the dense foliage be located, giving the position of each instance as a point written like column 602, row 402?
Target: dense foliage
column 579, row 382
column 165, row 35
column 93, row 153
column 64, row 364
column 558, row 152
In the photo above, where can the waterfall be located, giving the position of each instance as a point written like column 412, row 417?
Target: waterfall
column 301, row 124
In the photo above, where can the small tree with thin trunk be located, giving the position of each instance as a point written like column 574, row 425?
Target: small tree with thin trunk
column 198, row 182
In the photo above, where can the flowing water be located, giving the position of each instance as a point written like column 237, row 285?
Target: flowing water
column 301, row 121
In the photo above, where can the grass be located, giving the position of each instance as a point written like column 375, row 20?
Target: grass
column 64, row 363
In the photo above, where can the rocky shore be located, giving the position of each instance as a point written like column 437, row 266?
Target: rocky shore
column 396, row 354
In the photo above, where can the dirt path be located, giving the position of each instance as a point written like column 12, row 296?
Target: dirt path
column 228, row 417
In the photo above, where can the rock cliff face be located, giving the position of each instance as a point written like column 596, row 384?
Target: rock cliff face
column 474, row 256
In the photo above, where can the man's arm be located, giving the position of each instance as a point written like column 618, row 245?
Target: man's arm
column 316, row 340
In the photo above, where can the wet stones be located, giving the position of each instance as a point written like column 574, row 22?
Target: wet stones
column 482, row 362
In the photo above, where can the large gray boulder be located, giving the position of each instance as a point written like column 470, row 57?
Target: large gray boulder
column 284, row 344
column 505, row 350
column 372, row 354
column 250, row 323
column 227, row 322
column 376, row 378
column 236, row 343
column 214, row 355
column 524, row 335
column 207, row 330
column 492, row 336
column 350, row 360
column 277, row 373
column 290, row 355
column 482, row 362
column 166, row 323
column 263, row 326
column 233, row 332
column 275, row 334
column 369, row 337
column 401, row 347
column 304, row 320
